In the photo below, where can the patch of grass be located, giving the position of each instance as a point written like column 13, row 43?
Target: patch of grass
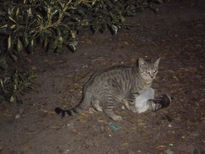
column 3, row 63
column 11, row 88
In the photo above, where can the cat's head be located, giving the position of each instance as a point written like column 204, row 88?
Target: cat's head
column 148, row 70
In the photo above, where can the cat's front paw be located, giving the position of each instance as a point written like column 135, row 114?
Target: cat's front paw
column 161, row 102
column 156, row 106
column 126, row 103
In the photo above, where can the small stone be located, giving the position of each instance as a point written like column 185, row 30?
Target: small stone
column 123, row 107
column 168, row 151
column 67, row 151
column 171, row 144
column 170, row 125
column 139, row 151
column 17, row 116
column 70, row 125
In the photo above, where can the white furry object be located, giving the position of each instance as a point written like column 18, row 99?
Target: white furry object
column 141, row 103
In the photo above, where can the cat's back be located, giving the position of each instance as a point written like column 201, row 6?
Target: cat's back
column 113, row 73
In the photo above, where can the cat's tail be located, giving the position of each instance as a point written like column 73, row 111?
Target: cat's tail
column 77, row 109
column 83, row 105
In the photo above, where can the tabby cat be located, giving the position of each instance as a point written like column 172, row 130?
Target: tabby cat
column 117, row 84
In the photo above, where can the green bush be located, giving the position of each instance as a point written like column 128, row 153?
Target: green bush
column 13, row 87
column 55, row 23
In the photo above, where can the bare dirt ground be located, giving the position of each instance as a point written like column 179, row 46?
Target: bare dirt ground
column 176, row 34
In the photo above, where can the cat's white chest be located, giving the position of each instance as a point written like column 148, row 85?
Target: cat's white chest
column 141, row 103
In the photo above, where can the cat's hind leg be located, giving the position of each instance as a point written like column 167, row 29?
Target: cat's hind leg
column 96, row 105
column 108, row 109
column 130, row 100
column 110, row 113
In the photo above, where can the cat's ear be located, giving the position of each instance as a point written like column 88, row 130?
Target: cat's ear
column 156, row 64
column 141, row 61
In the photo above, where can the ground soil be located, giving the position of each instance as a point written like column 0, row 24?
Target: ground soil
column 176, row 34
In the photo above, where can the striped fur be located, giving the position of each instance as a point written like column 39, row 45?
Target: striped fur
column 117, row 84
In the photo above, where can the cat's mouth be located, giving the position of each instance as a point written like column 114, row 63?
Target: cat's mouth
column 148, row 77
